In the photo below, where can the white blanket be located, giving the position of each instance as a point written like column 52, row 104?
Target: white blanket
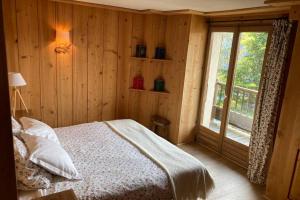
column 189, row 178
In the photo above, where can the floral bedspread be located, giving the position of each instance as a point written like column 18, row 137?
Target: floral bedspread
column 112, row 168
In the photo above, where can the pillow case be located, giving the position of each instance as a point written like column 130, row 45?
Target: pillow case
column 16, row 126
column 29, row 176
column 38, row 128
column 51, row 156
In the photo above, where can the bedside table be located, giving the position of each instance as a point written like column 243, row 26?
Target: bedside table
column 160, row 126
column 64, row 195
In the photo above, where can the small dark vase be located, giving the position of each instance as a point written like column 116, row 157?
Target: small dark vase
column 141, row 51
column 138, row 82
column 159, row 84
column 160, row 53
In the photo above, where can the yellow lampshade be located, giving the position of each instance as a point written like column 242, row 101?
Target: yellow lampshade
column 62, row 37
column 62, row 41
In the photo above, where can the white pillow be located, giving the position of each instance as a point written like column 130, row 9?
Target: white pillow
column 29, row 176
column 16, row 126
column 50, row 155
column 38, row 128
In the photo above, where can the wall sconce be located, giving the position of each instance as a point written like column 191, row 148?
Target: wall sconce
column 62, row 41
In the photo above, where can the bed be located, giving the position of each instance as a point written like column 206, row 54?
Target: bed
column 120, row 160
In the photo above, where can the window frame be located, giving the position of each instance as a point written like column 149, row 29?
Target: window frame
column 218, row 141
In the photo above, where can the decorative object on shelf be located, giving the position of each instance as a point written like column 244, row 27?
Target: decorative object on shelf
column 141, row 50
column 160, row 53
column 62, row 41
column 160, row 126
column 159, row 84
column 16, row 80
column 138, row 82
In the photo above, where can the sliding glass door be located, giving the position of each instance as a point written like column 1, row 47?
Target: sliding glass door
column 247, row 74
column 234, row 65
column 217, row 73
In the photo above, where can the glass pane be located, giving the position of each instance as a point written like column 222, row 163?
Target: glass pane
column 249, row 62
column 218, row 64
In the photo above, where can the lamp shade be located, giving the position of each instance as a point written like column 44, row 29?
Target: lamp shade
column 62, row 37
column 16, row 79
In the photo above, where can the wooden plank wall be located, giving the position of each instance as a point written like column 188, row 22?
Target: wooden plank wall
column 191, row 86
column 64, row 89
column 91, row 81
column 154, row 31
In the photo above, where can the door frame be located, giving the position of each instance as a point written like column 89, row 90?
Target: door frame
column 218, row 142
column 8, row 189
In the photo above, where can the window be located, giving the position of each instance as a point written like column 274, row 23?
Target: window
column 234, row 66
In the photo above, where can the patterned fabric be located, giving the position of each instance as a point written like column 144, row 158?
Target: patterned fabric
column 112, row 168
column 35, row 127
column 263, row 130
column 29, row 176
column 16, row 126
column 50, row 156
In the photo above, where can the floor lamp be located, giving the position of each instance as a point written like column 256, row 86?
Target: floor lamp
column 16, row 80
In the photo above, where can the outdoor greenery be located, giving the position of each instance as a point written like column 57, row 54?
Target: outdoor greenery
column 250, row 57
column 249, row 62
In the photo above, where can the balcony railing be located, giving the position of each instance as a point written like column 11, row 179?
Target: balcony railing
column 242, row 101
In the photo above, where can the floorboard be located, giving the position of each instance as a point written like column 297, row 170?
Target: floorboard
column 231, row 182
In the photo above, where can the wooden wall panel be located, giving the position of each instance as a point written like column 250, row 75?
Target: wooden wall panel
column 177, row 30
column 192, row 81
column 64, row 67
column 91, row 81
column 155, row 32
column 146, row 100
column 157, row 70
column 124, row 51
column 110, row 64
column 174, row 33
column 149, row 30
column 29, row 52
column 80, row 61
column 169, row 74
column 66, row 89
column 47, row 25
column 11, row 38
column 95, row 65
column 11, row 34
column 135, row 66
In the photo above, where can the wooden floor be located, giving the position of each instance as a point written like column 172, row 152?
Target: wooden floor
column 231, row 182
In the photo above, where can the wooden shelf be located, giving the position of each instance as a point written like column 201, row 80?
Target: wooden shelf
column 150, row 91
column 159, row 92
column 139, row 58
column 151, row 59
column 160, row 60
column 137, row 90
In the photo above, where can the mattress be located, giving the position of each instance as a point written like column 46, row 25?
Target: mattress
column 111, row 167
